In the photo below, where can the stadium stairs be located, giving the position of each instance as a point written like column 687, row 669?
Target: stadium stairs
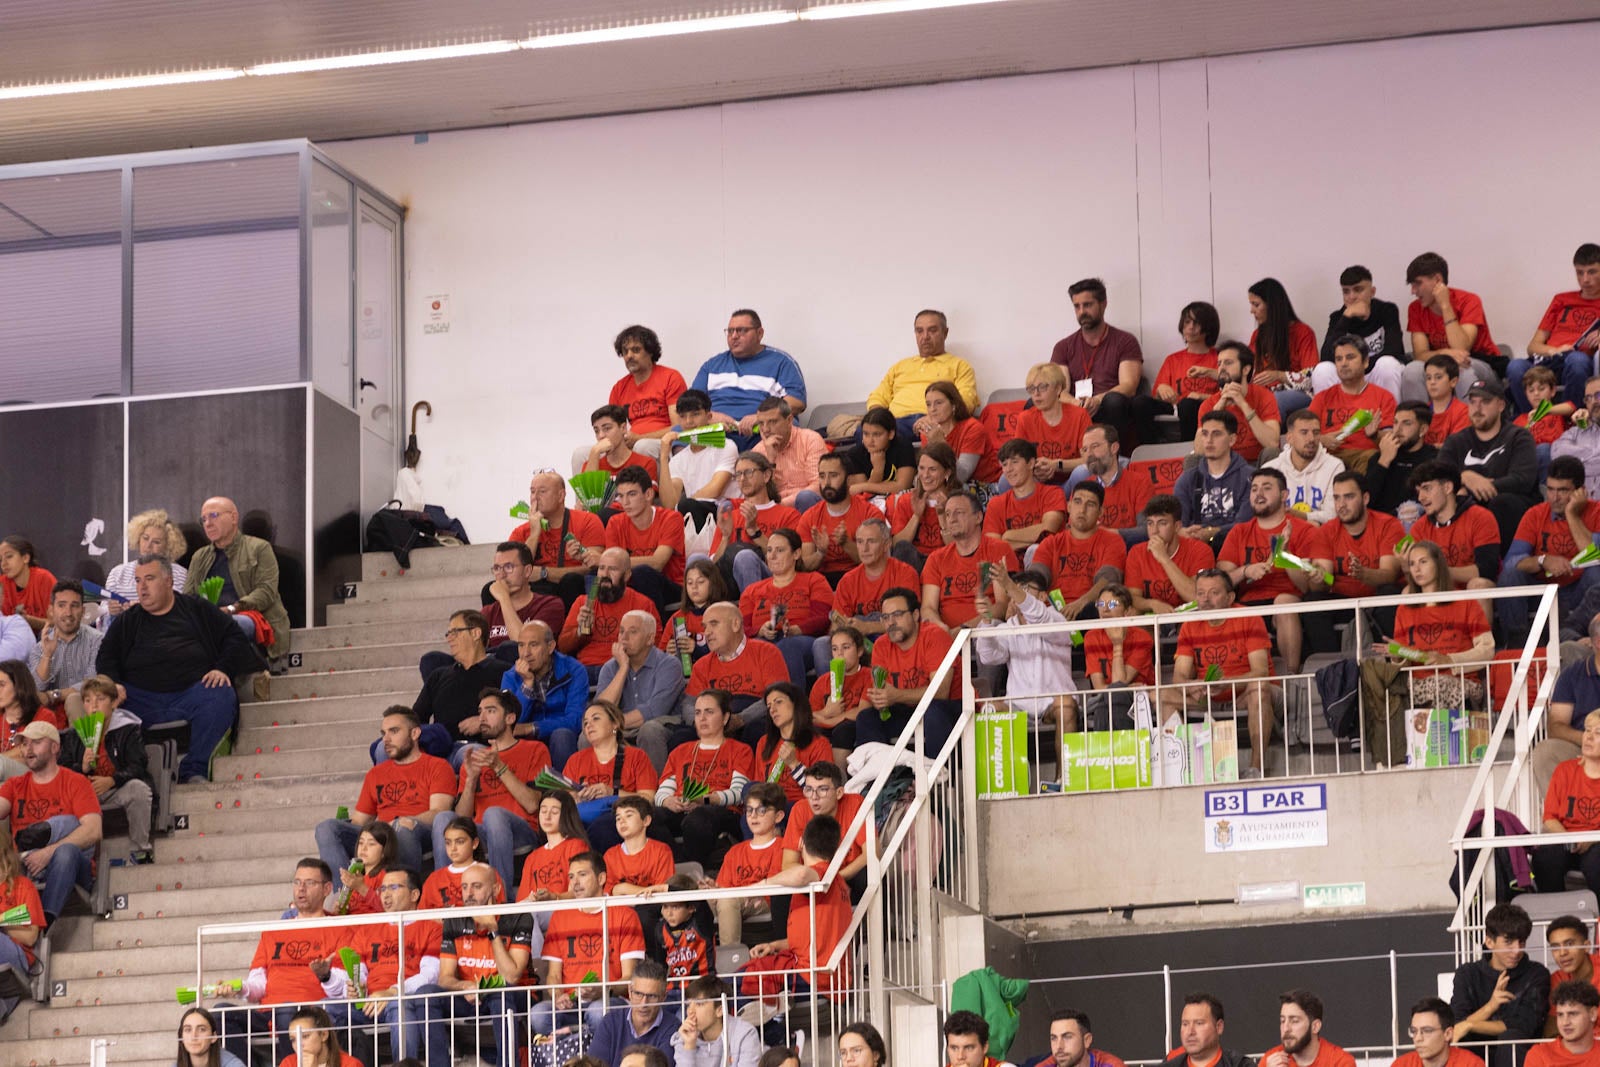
column 300, row 755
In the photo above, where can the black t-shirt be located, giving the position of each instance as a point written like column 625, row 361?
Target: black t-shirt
column 451, row 693
column 167, row 656
column 1380, row 330
column 220, row 569
column 901, row 456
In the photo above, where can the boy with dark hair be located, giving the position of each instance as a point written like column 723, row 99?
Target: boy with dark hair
column 1029, row 511
column 752, row 861
column 1447, row 322
column 117, row 768
column 682, row 937
column 1072, row 1043
column 1564, row 343
column 611, row 451
column 818, row 845
column 1503, row 996
column 652, row 536
column 711, row 1034
column 1441, row 377
column 1570, row 951
column 1376, row 322
column 966, row 1041
column 640, row 865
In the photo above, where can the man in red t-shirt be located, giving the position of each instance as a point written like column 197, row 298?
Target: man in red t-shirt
column 1563, row 342
column 1246, row 558
column 1124, row 496
column 1576, row 1006
column 652, row 537
column 1357, row 550
column 1029, row 511
column 1160, row 570
column 593, row 621
column 1570, row 958
column 1072, row 1042
column 1466, row 531
column 1449, row 322
column 1337, row 404
column 1085, row 557
column 825, row 795
column 495, row 785
column 1254, row 406
column 950, row 577
column 1300, row 1031
column 1547, row 539
column 648, row 391
column 858, row 598
column 909, row 654
column 379, row 946
column 1240, row 650
column 408, row 791
column 611, row 452
column 818, row 845
column 829, row 526
column 55, row 818
column 744, row 666
column 574, row 949
column 562, row 538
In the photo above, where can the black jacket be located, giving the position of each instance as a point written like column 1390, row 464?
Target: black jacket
column 1524, row 1014
column 1380, row 330
column 1229, row 1058
column 1389, row 485
column 124, row 747
column 1509, row 458
column 226, row 647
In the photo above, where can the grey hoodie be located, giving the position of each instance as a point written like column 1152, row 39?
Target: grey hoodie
column 738, row 1046
column 1220, row 502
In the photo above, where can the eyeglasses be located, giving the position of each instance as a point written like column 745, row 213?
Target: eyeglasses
column 735, row 331
column 1423, row 1031
column 210, row 516
column 1108, row 605
column 896, row 614
column 1589, row 398
column 307, row 883
column 448, row 634
column 397, row 888
column 1039, row 387
column 504, row 568
column 756, row 809
column 817, row 790
column 648, row 998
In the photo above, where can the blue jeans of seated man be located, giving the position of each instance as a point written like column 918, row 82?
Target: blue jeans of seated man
column 409, row 1022
column 748, row 567
column 796, row 652
column 1514, row 613
column 336, row 843
column 1291, row 400
column 248, row 625
column 68, row 866
column 210, row 713
column 502, row 833
column 937, row 725
column 238, row 1023
column 505, row 1009
column 1571, row 369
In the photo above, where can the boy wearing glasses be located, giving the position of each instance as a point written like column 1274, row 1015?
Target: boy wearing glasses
column 825, row 795
column 752, row 861
column 1432, row 1035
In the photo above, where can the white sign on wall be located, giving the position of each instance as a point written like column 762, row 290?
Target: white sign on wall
column 1256, row 818
column 436, row 316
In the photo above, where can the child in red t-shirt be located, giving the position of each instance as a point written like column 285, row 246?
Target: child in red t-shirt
column 1541, row 385
column 752, row 861
column 611, row 452
column 640, row 864
column 462, row 847
column 796, row 952
column 544, row 871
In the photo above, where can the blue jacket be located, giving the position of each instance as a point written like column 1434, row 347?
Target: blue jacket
column 1221, row 502
column 615, row 1033
column 561, row 706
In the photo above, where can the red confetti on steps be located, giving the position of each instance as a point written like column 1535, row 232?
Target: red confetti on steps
column 236, row 803
column 258, row 752
column 274, row 748
column 219, row 805
column 177, row 885
column 258, row 774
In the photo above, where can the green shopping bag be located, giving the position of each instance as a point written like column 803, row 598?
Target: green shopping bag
column 1105, row 759
column 1002, row 746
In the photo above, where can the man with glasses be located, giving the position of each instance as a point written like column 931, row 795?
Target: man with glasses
column 1582, row 439
column 447, row 706
column 1432, row 1032
column 249, row 572
column 825, row 795
column 745, row 373
column 643, row 1020
column 950, row 578
column 510, row 603
column 909, row 653
column 711, row 1035
column 561, row 537
column 400, row 891
column 743, row 527
column 1548, row 537
column 407, row 789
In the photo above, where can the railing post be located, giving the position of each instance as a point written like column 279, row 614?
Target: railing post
column 876, row 955
column 968, row 783
column 1394, row 1004
column 1166, row 1003
column 925, row 933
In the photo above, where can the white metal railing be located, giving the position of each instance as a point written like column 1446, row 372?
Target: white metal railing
column 1290, row 700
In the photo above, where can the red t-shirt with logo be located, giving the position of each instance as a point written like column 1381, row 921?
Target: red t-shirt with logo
column 635, row 459
column 800, row 817
column 819, row 520
column 526, row 759
column 1472, row 528
column 665, row 528
column 68, row 793
column 712, row 767
column 1303, row 353
column 855, row 687
column 970, row 437
column 1448, row 627
column 443, row 888
column 1229, row 645
column 1546, row 430
column 1008, row 511
column 1550, row 535
column 607, row 621
column 1175, row 373
column 1073, row 562
column 472, row 949
column 547, row 609
column 1334, row 542
column 861, row 594
column 379, row 945
column 956, row 576
column 638, row 774
column 578, row 941
column 1138, row 652
column 806, row 602
column 1249, row 543
column 1146, row 576
column 1568, row 317
column 546, row 867
column 286, row 955
column 1334, row 405
column 913, row 668
column 792, row 777
column 1061, row 441
column 1452, row 419
column 548, row 548
column 20, row 891
column 1573, row 798
column 392, row 790
column 769, row 517
column 649, row 404
column 1468, row 309
column 748, row 863
column 1124, row 497
column 756, row 666
column 929, row 537
column 651, row 865
column 1263, row 403
column 1000, row 419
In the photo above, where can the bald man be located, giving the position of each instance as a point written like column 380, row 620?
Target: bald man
column 742, row 665
column 249, row 572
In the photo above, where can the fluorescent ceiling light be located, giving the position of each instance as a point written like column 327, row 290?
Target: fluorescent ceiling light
column 882, row 7
column 376, row 59
column 640, row 30
column 133, row 81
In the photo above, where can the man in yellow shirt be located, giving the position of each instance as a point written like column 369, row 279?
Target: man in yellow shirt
column 903, row 389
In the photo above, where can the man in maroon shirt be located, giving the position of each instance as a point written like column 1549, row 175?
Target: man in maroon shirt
column 1104, row 363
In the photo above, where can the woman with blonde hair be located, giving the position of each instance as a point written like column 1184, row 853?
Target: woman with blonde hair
column 1055, row 427
column 150, row 533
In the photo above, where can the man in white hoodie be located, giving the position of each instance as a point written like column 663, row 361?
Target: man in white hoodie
column 711, row 1036
column 1308, row 467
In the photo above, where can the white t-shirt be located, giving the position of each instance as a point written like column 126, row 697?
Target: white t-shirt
column 695, row 469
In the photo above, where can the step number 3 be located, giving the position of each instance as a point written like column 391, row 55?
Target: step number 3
column 120, row 902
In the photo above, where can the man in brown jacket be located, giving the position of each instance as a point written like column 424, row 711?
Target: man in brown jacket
column 248, row 569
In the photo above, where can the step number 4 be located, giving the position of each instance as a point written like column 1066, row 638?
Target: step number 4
column 119, row 902
column 58, row 989
column 181, row 822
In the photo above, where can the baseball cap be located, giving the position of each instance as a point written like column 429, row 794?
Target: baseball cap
column 39, row 730
column 1485, row 387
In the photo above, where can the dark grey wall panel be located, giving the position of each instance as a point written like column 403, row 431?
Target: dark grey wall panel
column 336, row 501
column 60, row 469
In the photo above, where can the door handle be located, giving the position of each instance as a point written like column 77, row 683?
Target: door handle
column 364, row 384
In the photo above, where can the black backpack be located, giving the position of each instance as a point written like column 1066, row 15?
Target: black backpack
column 1340, row 687
column 393, row 529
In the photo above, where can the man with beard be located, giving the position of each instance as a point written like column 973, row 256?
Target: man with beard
column 400, row 890
column 1432, row 1032
column 648, row 391
column 1160, row 570
column 1352, row 393
column 64, row 657
column 1200, row 1029
column 1246, row 558
column 1300, row 1030
column 291, row 967
column 1215, row 493
column 1124, row 497
column 1357, row 550
column 1498, row 460
column 1072, row 1042
column 1548, row 537
column 1104, row 363
column 830, row 525
column 54, row 818
column 1307, row 467
column 1576, row 1006
column 1465, row 531
column 950, row 578
column 909, row 653
column 406, row 790
column 1401, row 451
column 1252, row 405
column 479, row 947
column 1084, row 558
column 494, row 785
column 592, row 624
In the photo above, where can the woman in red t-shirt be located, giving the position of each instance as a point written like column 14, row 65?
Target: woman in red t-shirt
column 792, row 742
column 791, row 607
column 1453, row 634
column 724, row 766
column 1285, row 347
column 25, row 588
column 914, row 514
column 312, row 1030
column 599, row 776
column 1055, row 428
column 1189, row 375
column 544, row 872
column 703, row 586
column 376, row 849
column 16, row 942
column 20, row 705
column 949, row 421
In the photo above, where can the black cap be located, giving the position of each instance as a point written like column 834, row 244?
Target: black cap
column 1487, row 387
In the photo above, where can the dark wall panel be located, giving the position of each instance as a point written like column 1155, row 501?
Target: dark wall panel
column 336, row 501
column 247, row 446
column 60, row 470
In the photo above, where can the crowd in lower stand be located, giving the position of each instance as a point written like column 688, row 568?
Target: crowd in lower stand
column 677, row 673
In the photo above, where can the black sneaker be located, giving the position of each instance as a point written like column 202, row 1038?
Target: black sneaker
column 36, row 835
column 142, row 857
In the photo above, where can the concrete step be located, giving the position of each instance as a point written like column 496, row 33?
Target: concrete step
column 175, row 853
column 289, row 764
column 358, row 657
column 303, row 790
column 437, row 608
column 261, row 868
column 124, row 989
column 216, row 904
column 105, row 1020
column 367, row 633
column 243, row 816
column 432, row 562
column 150, row 1046
column 367, row 706
column 412, row 587
column 224, row 959
column 356, row 734
column 177, row 929
column 345, row 683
